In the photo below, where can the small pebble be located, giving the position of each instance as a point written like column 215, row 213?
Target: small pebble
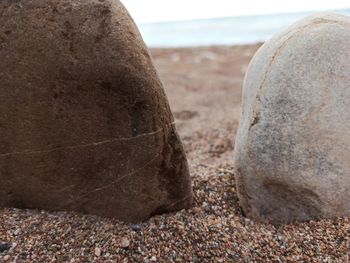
column 125, row 242
column 14, row 245
column 196, row 260
column 136, row 227
column 4, row 246
column 98, row 252
column 7, row 257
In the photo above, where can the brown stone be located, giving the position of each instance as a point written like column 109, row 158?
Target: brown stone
column 84, row 121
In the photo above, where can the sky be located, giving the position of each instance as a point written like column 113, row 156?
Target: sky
column 149, row 11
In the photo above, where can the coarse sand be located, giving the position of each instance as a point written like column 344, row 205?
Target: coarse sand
column 204, row 89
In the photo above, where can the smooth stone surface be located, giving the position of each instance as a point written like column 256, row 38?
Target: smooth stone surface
column 292, row 152
column 84, row 121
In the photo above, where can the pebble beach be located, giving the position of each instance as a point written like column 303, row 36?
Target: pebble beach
column 203, row 86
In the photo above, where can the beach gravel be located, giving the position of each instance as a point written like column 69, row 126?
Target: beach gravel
column 204, row 89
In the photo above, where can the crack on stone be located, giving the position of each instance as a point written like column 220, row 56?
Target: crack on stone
column 110, row 184
column 316, row 21
column 94, row 144
column 256, row 119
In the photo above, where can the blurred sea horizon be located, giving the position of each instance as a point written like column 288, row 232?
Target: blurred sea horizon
column 220, row 31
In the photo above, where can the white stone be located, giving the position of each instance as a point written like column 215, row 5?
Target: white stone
column 125, row 242
column 292, row 152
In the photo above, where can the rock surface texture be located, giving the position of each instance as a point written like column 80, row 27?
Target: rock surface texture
column 84, row 121
column 292, row 152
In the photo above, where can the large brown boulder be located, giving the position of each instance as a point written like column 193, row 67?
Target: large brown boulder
column 292, row 154
column 84, row 121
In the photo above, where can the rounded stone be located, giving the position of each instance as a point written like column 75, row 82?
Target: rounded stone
column 4, row 246
column 84, row 121
column 292, row 154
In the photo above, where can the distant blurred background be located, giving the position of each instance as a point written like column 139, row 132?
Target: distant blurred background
column 191, row 23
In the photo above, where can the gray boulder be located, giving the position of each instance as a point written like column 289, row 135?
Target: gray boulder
column 292, row 152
